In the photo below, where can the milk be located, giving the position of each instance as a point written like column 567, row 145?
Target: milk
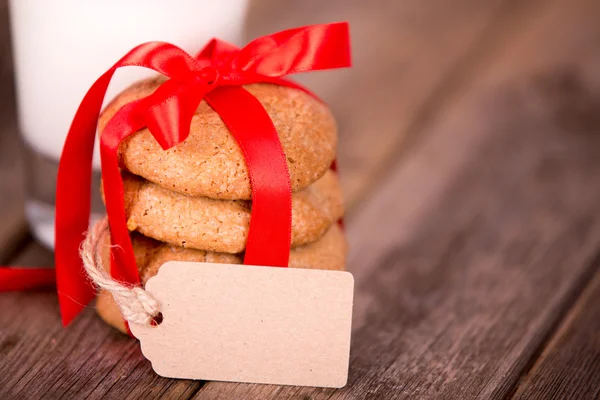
column 61, row 46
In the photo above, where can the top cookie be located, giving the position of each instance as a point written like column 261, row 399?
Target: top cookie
column 209, row 162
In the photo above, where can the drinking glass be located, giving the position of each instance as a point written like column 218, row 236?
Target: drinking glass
column 61, row 46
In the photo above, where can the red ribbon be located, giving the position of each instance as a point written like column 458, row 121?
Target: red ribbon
column 215, row 75
column 16, row 278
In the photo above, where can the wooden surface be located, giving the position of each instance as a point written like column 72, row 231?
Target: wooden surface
column 470, row 142
column 569, row 366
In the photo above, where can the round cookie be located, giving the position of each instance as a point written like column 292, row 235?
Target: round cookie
column 209, row 162
column 222, row 225
column 328, row 253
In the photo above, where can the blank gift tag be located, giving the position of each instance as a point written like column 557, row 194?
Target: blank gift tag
column 245, row 323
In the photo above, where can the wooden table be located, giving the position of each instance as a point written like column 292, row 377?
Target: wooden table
column 470, row 153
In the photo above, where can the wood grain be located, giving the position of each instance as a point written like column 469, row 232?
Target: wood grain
column 408, row 56
column 569, row 367
column 40, row 358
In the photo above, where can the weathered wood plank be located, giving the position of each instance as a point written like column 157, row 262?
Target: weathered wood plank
column 40, row 358
column 408, row 56
column 13, row 227
column 476, row 244
column 569, row 367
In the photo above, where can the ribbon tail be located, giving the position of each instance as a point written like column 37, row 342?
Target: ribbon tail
column 73, row 187
column 73, row 193
column 125, row 122
column 16, row 279
column 169, row 115
column 269, row 236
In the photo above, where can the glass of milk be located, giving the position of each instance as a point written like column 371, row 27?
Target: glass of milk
column 61, row 47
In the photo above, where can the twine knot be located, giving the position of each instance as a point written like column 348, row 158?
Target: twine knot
column 136, row 304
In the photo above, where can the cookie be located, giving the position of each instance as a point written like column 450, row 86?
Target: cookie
column 328, row 253
column 222, row 225
column 209, row 162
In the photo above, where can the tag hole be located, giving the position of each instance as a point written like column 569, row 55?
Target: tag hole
column 157, row 320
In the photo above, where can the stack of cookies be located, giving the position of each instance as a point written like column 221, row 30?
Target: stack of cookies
column 193, row 201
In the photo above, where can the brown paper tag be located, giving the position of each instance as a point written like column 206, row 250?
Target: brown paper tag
column 245, row 323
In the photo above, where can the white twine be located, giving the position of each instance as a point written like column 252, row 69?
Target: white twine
column 137, row 305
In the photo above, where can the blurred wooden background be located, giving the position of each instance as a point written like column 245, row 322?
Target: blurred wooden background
column 470, row 158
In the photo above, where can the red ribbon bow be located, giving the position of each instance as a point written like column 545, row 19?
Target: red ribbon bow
column 215, row 75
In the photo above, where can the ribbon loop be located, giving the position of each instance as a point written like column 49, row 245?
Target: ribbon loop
column 162, row 57
column 313, row 47
column 217, row 51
